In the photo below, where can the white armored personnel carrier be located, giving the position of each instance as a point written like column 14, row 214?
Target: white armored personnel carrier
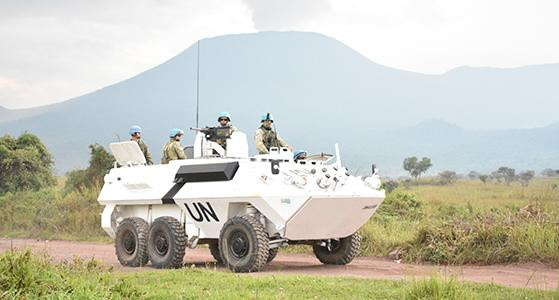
column 243, row 207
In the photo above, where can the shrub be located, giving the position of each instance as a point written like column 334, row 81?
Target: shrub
column 401, row 204
column 390, row 185
column 25, row 164
column 92, row 177
column 447, row 177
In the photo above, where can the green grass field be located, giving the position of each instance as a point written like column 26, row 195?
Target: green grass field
column 23, row 275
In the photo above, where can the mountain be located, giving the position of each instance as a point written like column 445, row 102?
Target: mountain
column 9, row 115
column 453, row 148
column 320, row 92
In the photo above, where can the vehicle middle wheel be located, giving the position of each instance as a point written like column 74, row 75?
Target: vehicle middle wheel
column 131, row 242
column 338, row 251
column 166, row 243
column 214, row 250
column 244, row 244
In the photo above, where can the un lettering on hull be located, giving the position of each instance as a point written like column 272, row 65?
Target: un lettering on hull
column 208, row 215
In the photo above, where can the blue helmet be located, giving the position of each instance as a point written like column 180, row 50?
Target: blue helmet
column 266, row 116
column 299, row 154
column 135, row 129
column 175, row 131
column 224, row 114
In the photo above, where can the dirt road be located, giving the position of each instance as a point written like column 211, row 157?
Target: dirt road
column 518, row 275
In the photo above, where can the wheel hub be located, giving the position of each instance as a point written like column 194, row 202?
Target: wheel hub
column 332, row 245
column 238, row 244
column 129, row 243
column 161, row 244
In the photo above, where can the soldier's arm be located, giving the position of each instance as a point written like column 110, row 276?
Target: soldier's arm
column 149, row 159
column 147, row 155
column 179, row 151
column 259, row 142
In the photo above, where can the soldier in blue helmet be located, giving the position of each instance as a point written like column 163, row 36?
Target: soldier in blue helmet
column 173, row 149
column 266, row 137
column 224, row 120
column 136, row 136
column 299, row 155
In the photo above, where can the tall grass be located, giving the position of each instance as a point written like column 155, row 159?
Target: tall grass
column 469, row 222
column 51, row 213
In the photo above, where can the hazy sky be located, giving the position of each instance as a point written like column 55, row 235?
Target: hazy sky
column 54, row 50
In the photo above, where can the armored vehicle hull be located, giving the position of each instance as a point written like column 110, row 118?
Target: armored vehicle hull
column 244, row 207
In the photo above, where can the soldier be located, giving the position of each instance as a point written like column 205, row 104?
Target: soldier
column 299, row 155
column 135, row 135
column 265, row 137
column 224, row 120
column 173, row 149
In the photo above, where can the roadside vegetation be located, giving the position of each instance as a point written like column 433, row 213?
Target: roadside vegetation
column 26, row 276
column 44, row 207
column 501, row 217
column 467, row 221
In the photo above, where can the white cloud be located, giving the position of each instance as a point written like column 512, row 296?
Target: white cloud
column 285, row 14
column 55, row 50
column 61, row 49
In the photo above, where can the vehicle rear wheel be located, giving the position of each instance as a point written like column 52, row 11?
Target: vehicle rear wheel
column 214, row 250
column 338, row 251
column 272, row 254
column 244, row 244
column 166, row 243
column 131, row 242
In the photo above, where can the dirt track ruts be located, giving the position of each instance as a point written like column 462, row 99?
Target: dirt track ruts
column 532, row 275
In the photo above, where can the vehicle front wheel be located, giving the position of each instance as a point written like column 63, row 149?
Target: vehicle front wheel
column 244, row 244
column 166, row 243
column 131, row 242
column 338, row 251
column 272, row 254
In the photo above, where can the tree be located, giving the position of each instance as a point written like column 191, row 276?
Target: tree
column 415, row 167
column 550, row 172
column 483, row 178
column 25, row 164
column 473, row 175
column 505, row 173
column 99, row 163
column 526, row 176
column 447, row 177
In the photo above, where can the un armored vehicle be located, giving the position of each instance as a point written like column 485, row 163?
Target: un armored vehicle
column 244, row 207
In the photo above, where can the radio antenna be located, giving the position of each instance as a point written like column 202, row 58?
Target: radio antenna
column 197, row 83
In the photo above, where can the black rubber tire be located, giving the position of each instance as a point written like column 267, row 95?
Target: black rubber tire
column 214, row 250
column 131, row 242
column 272, row 254
column 343, row 250
column 244, row 244
column 166, row 243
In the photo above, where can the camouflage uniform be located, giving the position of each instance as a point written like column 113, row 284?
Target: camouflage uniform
column 223, row 142
column 265, row 138
column 145, row 150
column 172, row 151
